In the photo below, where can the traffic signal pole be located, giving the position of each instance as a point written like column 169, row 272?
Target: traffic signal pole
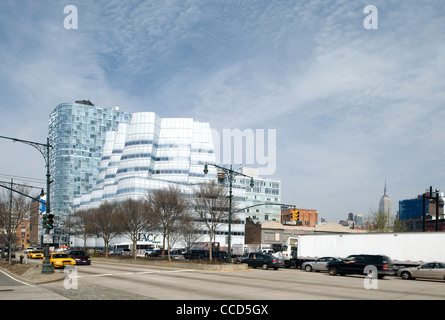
column 44, row 150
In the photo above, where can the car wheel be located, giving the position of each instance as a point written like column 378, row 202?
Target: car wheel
column 333, row 271
column 308, row 268
column 405, row 275
column 265, row 267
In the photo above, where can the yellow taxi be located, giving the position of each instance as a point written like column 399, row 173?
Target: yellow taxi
column 35, row 254
column 60, row 260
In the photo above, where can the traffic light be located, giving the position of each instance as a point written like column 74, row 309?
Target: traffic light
column 50, row 221
column 44, row 221
column 297, row 215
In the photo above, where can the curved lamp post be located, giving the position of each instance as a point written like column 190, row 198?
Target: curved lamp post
column 44, row 150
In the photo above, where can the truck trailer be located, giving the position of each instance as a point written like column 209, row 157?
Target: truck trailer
column 408, row 248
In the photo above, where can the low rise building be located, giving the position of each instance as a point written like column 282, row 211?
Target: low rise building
column 275, row 233
column 299, row 217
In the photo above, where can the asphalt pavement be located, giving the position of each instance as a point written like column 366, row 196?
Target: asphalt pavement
column 12, row 288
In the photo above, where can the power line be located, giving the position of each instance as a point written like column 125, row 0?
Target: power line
column 26, row 179
column 18, row 184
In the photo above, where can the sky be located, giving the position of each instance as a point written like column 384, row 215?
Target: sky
column 352, row 106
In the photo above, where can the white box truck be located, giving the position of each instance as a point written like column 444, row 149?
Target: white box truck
column 408, row 248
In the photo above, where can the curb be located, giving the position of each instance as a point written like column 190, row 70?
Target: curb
column 34, row 276
column 177, row 264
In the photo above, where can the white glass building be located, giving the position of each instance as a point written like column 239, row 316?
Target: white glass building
column 150, row 153
column 265, row 190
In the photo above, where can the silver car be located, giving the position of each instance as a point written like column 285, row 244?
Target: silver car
column 430, row 270
column 321, row 264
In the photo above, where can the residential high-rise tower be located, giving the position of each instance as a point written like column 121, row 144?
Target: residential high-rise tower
column 77, row 133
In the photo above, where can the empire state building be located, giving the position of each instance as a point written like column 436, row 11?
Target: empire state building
column 385, row 206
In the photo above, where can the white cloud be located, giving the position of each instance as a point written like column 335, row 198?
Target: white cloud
column 351, row 106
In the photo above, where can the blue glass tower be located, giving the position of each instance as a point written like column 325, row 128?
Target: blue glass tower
column 77, row 133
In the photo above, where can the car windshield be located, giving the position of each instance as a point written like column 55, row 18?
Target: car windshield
column 60, row 255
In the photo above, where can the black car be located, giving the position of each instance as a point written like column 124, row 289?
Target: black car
column 263, row 260
column 80, row 256
column 195, row 253
column 357, row 263
column 216, row 255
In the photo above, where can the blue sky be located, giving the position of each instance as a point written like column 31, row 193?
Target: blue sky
column 352, row 107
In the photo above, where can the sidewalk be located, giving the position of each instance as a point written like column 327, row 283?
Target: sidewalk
column 13, row 288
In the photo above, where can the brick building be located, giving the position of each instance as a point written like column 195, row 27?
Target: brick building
column 299, row 217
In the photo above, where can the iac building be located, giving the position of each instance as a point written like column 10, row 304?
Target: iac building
column 106, row 154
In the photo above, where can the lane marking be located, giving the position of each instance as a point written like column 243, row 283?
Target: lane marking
column 16, row 279
column 137, row 273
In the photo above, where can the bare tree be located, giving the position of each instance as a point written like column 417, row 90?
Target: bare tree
column 80, row 223
column 14, row 209
column 105, row 222
column 168, row 208
column 134, row 219
column 211, row 205
column 189, row 232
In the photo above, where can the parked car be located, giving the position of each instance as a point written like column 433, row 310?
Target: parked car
column 321, row 264
column 430, row 270
column 157, row 253
column 5, row 253
column 80, row 256
column 263, row 260
column 176, row 255
column 35, row 254
column 356, row 264
column 60, row 260
column 120, row 252
column 247, row 255
column 194, row 254
column 216, row 255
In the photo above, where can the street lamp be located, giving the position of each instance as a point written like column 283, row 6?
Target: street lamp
column 231, row 174
column 44, row 150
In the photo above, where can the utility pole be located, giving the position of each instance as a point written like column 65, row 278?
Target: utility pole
column 435, row 197
column 4, row 184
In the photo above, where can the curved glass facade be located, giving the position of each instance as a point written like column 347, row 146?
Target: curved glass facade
column 77, row 131
column 105, row 154
column 149, row 153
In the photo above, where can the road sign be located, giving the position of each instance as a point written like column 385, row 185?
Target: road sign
column 48, row 239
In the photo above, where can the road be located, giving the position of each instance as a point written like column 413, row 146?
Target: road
column 117, row 281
